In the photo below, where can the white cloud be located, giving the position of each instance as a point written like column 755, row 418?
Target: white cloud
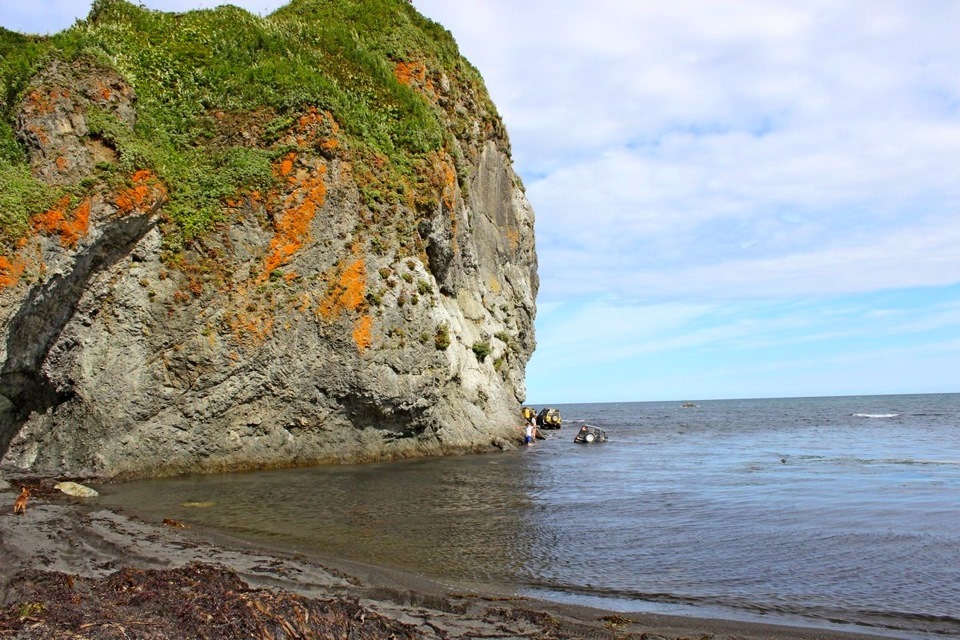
column 745, row 146
column 905, row 258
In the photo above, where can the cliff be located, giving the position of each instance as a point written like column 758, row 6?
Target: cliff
column 231, row 242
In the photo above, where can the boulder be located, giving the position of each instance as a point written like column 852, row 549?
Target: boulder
column 76, row 490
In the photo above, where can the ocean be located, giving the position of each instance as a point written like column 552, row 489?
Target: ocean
column 840, row 512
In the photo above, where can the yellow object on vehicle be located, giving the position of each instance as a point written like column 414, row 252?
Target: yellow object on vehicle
column 549, row 418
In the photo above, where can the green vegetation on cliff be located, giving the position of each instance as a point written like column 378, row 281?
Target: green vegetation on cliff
column 366, row 62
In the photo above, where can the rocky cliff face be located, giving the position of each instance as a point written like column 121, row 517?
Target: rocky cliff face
column 328, row 316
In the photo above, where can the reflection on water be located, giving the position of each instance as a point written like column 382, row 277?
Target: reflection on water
column 462, row 518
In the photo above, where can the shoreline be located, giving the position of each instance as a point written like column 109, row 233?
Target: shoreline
column 84, row 546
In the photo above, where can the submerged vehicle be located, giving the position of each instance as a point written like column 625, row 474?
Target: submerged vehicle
column 549, row 419
column 589, row 434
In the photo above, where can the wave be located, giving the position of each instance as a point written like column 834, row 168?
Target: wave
column 852, row 460
column 840, row 618
column 876, row 415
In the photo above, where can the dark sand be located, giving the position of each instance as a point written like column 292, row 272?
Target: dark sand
column 71, row 569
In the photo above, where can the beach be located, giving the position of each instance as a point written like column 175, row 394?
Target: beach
column 72, row 569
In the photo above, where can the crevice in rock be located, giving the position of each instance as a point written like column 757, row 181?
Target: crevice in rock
column 46, row 310
column 398, row 422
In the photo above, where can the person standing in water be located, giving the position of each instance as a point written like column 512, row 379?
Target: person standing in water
column 531, row 431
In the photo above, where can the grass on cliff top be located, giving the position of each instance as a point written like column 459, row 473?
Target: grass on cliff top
column 336, row 55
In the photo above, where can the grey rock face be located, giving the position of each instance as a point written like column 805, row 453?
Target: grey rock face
column 54, row 119
column 297, row 333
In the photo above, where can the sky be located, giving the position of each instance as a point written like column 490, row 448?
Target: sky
column 737, row 199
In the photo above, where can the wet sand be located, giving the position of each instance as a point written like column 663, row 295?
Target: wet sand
column 71, row 569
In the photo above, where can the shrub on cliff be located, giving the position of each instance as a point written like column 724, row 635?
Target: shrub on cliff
column 482, row 350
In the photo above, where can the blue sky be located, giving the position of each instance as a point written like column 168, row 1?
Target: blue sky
column 734, row 199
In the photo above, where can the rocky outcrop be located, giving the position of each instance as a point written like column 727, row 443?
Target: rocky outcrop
column 311, row 325
column 53, row 125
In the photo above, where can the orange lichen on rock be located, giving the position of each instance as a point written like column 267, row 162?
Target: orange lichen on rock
column 260, row 325
column 250, row 317
column 317, row 128
column 10, row 271
column 415, row 75
column 329, row 144
column 250, row 326
column 348, row 292
column 450, row 182
column 145, row 190
column 362, row 331
column 294, row 207
column 39, row 102
column 77, row 226
column 286, row 165
column 39, row 131
column 292, row 226
column 104, row 90
column 442, row 174
column 49, row 221
column 354, row 284
column 406, row 72
column 55, row 221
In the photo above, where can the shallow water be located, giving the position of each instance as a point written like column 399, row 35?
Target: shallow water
column 820, row 511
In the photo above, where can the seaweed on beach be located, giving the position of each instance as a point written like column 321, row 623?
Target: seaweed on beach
column 195, row 601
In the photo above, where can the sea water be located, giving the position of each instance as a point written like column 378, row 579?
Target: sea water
column 838, row 512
